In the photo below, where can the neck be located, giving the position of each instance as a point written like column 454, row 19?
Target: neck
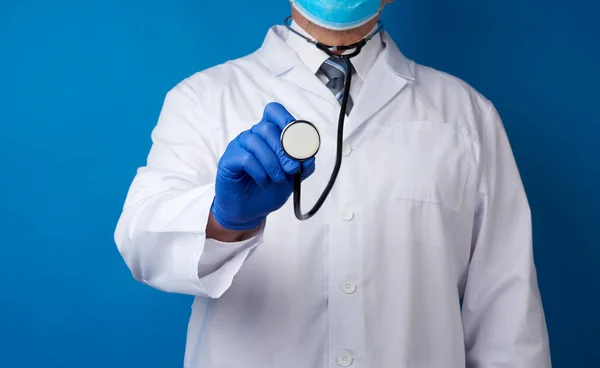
column 333, row 38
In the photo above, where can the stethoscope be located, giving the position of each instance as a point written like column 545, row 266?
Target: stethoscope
column 301, row 140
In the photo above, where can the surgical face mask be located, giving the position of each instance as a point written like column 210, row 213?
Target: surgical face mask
column 338, row 15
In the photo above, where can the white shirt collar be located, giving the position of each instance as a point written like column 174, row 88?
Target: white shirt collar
column 313, row 57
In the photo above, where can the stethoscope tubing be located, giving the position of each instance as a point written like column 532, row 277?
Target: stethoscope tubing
column 338, row 156
column 330, row 50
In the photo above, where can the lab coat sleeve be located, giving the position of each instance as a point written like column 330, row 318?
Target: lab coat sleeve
column 161, row 231
column 503, row 317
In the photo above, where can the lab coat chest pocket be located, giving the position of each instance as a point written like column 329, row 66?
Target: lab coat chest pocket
column 431, row 162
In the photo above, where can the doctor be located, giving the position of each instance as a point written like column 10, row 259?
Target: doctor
column 421, row 256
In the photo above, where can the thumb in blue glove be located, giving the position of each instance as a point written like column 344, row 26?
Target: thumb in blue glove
column 254, row 175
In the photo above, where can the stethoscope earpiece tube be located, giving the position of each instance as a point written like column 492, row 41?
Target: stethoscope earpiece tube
column 338, row 154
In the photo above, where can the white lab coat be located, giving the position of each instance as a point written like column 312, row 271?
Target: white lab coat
column 421, row 256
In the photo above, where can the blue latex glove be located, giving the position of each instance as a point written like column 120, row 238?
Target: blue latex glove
column 254, row 175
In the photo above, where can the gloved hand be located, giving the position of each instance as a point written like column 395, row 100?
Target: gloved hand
column 254, row 175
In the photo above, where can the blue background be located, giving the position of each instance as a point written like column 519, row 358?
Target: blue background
column 81, row 86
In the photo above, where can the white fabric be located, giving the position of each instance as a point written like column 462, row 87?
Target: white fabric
column 428, row 214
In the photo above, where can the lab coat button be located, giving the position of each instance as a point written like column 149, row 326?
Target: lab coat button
column 347, row 215
column 348, row 287
column 344, row 359
column 346, row 149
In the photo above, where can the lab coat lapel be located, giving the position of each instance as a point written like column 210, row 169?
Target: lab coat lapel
column 303, row 78
column 388, row 76
column 284, row 63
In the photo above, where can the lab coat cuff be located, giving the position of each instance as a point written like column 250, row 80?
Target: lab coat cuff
column 215, row 283
column 220, row 262
column 216, row 253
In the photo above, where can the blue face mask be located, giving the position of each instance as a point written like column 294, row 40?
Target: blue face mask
column 338, row 15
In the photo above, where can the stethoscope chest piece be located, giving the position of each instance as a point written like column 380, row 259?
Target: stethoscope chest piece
column 300, row 140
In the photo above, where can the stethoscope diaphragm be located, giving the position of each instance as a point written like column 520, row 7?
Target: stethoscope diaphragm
column 300, row 140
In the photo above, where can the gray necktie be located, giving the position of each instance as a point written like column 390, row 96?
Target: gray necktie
column 335, row 70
